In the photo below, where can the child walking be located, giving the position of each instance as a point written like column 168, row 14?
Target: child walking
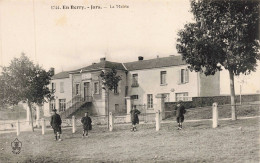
column 86, row 121
column 56, row 124
column 180, row 111
column 134, row 117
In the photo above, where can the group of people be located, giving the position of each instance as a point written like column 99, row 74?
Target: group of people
column 179, row 109
column 87, row 122
column 56, row 125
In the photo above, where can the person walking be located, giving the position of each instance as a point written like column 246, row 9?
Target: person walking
column 134, row 117
column 56, row 124
column 86, row 122
column 180, row 111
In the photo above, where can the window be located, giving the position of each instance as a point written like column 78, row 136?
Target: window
column 53, row 87
column 163, row 77
column 61, row 87
column 184, row 76
column 150, row 101
column 135, row 80
column 116, row 89
column 52, row 105
column 77, row 89
column 62, row 104
column 117, row 108
column 167, row 97
column 134, row 97
column 182, row 96
column 96, row 88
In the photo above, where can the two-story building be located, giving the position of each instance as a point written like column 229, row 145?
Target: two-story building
column 142, row 81
column 83, row 87
column 169, row 76
column 61, row 86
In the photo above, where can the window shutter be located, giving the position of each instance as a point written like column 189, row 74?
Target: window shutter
column 54, row 87
column 187, row 76
column 179, row 77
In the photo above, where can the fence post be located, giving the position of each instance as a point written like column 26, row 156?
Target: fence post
column 38, row 116
column 43, row 126
column 73, row 124
column 18, row 127
column 158, row 119
column 111, row 121
column 215, row 115
column 128, row 109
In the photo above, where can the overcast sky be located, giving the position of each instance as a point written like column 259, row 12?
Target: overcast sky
column 70, row 39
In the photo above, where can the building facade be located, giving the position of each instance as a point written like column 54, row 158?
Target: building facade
column 142, row 81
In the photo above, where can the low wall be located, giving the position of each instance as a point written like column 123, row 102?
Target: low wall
column 102, row 120
column 208, row 101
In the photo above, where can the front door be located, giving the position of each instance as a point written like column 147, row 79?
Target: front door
column 87, row 91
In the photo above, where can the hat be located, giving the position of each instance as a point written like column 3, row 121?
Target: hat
column 54, row 110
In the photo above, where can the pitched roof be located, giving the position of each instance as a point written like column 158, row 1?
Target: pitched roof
column 101, row 65
column 61, row 75
column 155, row 63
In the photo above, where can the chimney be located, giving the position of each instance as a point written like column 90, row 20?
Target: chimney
column 140, row 58
column 52, row 71
column 102, row 59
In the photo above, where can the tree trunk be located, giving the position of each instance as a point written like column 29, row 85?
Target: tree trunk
column 30, row 107
column 232, row 95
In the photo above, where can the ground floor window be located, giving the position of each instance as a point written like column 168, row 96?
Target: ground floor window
column 167, row 97
column 134, row 97
column 77, row 89
column 62, row 104
column 149, row 101
column 52, row 105
column 182, row 96
column 96, row 87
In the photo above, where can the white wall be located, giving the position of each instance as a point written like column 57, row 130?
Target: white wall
column 149, row 83
column 67, row 94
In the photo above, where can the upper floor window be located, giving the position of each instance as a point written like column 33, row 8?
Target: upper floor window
column 77, row 89
column 135, row 80
column 96, row 87
column 61, row 87
column 149, row 101
column 163, row 77
column 53, row 87
column 184, row 76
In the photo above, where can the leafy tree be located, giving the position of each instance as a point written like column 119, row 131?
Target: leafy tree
column 22, row 81
column 225, row 34
column 110, row 80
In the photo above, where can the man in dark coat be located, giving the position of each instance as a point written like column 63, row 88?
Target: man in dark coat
column 56, row 124
column 86, row 121
column 180, row 111
column 134, row 117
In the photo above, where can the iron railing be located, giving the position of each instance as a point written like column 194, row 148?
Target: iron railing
column 74, row 104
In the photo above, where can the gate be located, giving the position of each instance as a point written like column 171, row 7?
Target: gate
column 147, row 115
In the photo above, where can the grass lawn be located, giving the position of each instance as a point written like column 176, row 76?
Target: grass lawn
column 224, row 111
column 233, row 141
